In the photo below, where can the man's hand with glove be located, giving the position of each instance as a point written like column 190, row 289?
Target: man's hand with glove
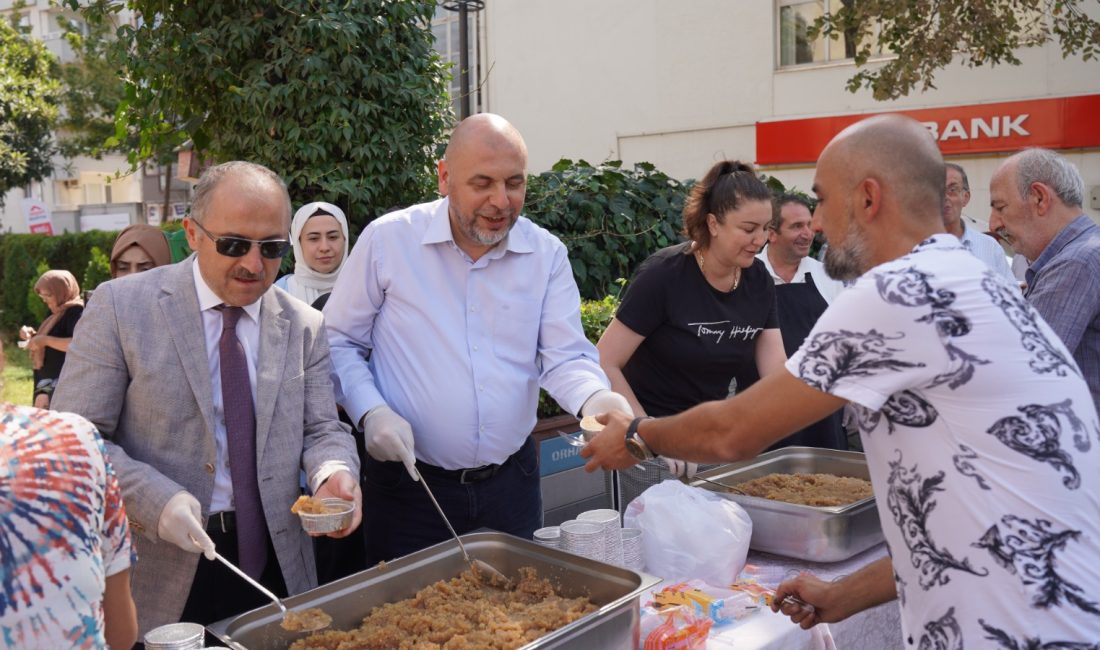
column 388, row 436
column 605, row 401
column 181, row 524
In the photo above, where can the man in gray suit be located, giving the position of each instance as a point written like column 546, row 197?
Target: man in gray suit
column 212, row 391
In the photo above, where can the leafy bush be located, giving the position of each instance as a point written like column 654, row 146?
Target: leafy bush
column 35, row 305
column 22, row 254
column 595, row 315
column 97, row 271
column 608, row 217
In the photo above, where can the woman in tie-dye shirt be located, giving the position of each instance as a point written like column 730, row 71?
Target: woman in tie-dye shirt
column 64, row 541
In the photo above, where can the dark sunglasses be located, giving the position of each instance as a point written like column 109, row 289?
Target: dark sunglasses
column 272, row 249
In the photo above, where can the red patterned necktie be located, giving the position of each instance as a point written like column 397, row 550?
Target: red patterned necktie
column 240, row 430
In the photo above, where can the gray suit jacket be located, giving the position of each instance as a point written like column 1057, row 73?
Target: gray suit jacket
column 137, row 368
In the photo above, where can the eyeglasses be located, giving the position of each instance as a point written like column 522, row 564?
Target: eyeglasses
column 955, row 189
column 272, row 249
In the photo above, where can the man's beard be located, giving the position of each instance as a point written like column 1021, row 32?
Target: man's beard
column 485, row 237
column 849, row 261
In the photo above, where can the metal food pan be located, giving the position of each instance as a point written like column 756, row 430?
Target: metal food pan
column 813, row 533
column 614, row 590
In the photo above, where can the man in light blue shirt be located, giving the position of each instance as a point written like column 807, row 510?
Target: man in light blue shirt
column 982, row 246
column 446, row 320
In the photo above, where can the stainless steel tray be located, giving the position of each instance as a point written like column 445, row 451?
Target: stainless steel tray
column 615, row 590
column 816, row 534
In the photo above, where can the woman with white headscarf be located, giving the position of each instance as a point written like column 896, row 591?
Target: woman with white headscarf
column 319, row 233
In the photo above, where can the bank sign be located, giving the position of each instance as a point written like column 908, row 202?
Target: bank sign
column 1059, row 123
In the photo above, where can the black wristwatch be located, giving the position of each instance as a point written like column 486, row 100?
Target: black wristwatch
column 634, row 443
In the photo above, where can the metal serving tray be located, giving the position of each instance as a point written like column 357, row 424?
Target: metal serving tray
column 615, row 590
column 816, row 534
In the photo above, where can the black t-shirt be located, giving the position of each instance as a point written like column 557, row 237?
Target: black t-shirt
column 697, row 338
column 54, row 359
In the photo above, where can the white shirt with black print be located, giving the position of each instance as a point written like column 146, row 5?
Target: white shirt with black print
column 983, row 445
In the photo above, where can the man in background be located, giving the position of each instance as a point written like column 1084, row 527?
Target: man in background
column 955, row 199
column 1036, row 196
column 803, row 291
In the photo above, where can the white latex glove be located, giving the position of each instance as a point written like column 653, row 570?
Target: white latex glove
column 181, row 523
column 680, row 468
column 389, row 436
column 603, row 401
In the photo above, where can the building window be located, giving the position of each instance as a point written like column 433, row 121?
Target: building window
column 445, row 26
column 797, row 48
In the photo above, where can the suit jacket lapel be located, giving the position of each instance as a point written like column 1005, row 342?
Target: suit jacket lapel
column 180, row 307
column 270, row 365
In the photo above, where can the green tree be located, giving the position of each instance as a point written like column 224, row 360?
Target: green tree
column 29, row 96
column 345, row 100
column 92, row 92
column 926, row 35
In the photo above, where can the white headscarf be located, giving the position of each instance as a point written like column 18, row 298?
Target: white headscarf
column 306, row 284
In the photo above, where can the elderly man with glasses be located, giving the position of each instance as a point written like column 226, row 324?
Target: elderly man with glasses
column 212, row 391
column 982, row 246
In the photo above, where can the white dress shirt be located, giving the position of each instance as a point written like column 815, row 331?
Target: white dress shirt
column 458, row 348
column 248, row 332
column 826, row 286
column 985, row 248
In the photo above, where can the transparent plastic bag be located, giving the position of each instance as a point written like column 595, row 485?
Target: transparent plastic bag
column 690, row 533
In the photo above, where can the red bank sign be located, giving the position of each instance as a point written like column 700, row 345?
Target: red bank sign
column 1061, row 123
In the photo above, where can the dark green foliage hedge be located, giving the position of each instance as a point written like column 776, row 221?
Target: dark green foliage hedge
column 20, row 255
column 610, row 218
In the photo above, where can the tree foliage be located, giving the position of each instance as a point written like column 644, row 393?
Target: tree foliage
column 924, row 36
column 92, row 93
column 29, row 96
column 345, row 100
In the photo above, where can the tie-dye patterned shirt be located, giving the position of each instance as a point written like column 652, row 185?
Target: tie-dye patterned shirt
column 63, row 530
column 982, row 443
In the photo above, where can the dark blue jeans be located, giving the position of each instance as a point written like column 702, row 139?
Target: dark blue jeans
column 398, row 518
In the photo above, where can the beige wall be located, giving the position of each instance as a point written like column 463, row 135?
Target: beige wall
column 681, row 84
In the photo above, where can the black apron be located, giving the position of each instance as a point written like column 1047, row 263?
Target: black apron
column 800, row 305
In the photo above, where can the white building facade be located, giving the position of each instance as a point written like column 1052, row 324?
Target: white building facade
column 683, row 84
column 82, row 187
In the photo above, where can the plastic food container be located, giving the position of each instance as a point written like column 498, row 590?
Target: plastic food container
column 338, row 517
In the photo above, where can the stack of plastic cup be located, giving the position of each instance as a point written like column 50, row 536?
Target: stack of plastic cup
column 549, row 536
column 612, row 541
column 582, row 538
column 632, row 549
column 176, row 636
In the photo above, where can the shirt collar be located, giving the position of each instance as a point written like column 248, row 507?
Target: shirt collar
column 209, row 300
column 939, row 241
column 804, row 266
column 1072, row 230
column 439, row 231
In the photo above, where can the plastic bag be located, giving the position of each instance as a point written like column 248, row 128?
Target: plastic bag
column 690, row 533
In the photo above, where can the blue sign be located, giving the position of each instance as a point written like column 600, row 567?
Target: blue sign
column 557, row 455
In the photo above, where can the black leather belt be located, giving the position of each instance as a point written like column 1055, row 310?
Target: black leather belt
column 225, row 522
column 463, row 476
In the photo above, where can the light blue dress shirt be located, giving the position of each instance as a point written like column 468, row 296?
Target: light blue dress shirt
column 456, row 347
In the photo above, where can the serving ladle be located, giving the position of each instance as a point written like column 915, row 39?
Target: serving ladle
column 320, row 623
column 478, row 565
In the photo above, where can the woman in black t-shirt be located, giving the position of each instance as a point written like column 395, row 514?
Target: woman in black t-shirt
column 47, row 345
column 698, row 320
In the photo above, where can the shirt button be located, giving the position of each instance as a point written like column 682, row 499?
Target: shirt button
column 473, row 308
column 481, row 387
column 475, row 348
column 209, row 467
column 482, row 428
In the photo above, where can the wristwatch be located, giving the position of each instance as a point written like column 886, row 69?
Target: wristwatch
column 634, row 443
